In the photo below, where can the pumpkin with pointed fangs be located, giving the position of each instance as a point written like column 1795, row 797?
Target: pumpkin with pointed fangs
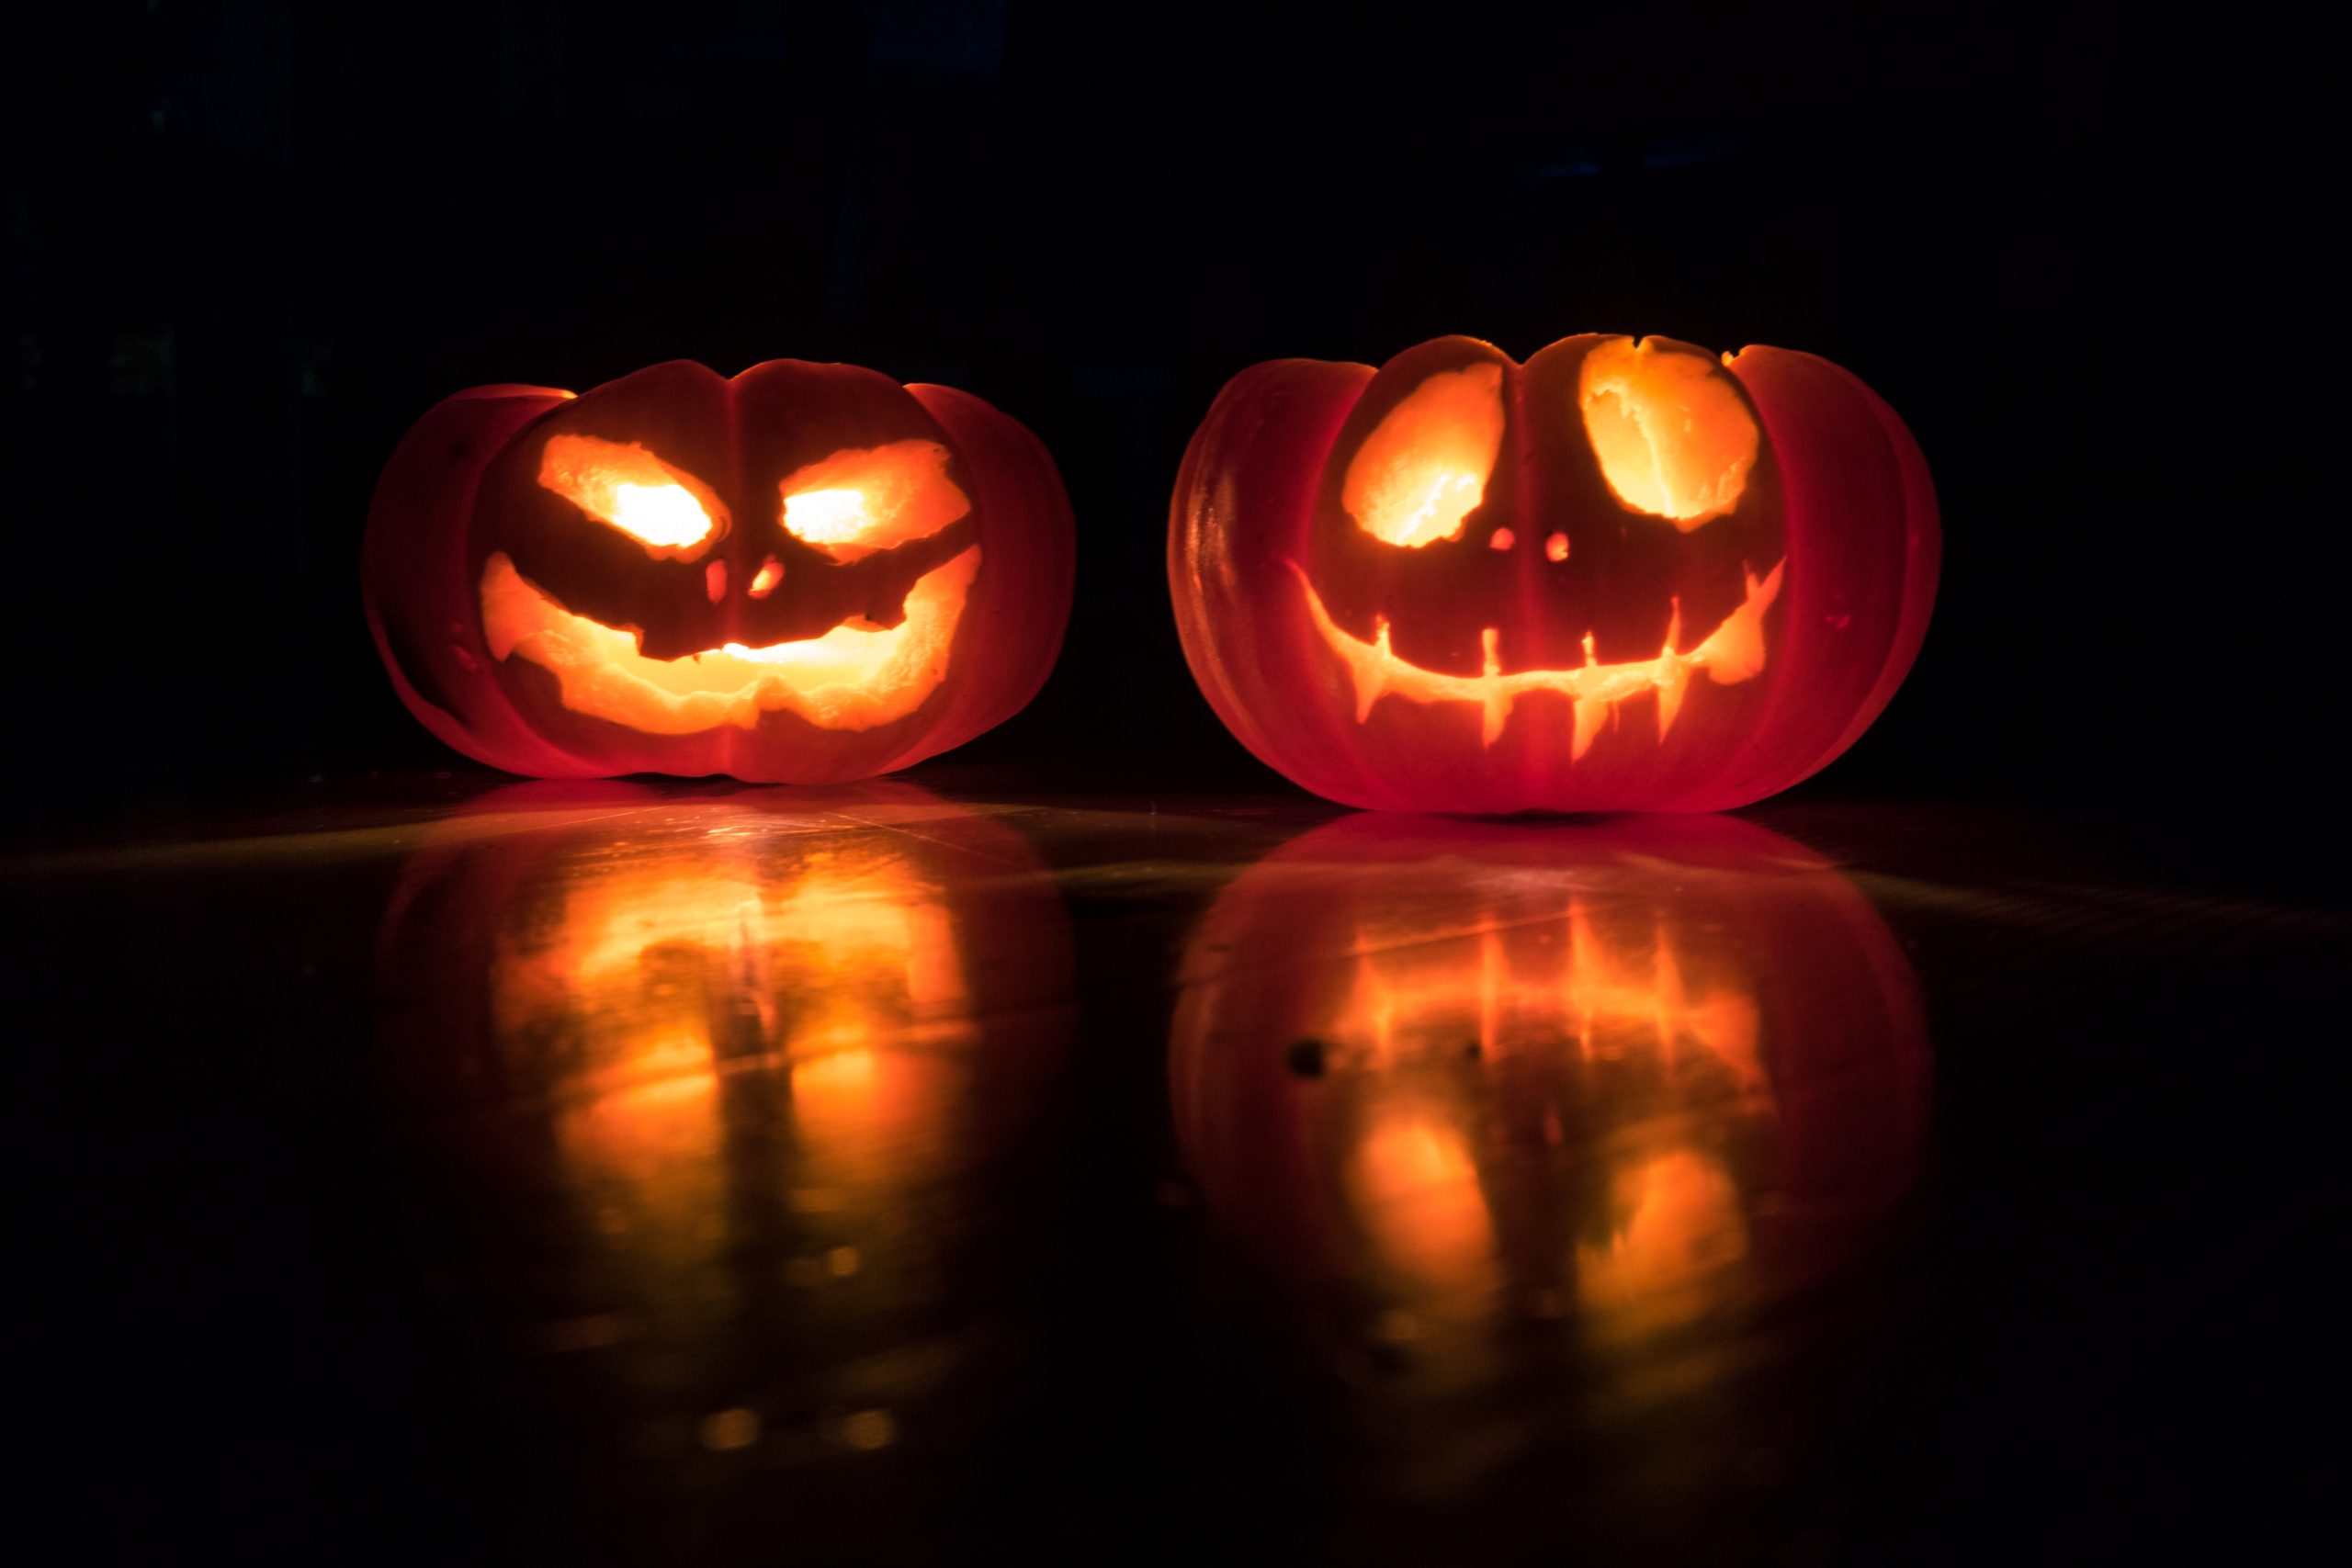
column 805, row 575
column 1622, row 576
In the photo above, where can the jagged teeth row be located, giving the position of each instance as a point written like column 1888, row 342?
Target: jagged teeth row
column 1668, row 675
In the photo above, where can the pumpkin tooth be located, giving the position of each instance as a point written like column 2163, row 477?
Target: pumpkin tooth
column 1372, row 674
column 1671, row 687
column 1590, row 711
column 1496, row 709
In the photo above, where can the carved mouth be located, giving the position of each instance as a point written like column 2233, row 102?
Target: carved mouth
column 853, row 677
column 1732, row 652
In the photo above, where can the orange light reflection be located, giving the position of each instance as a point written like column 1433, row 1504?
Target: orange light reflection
column 835, row 974
column 1507, row 993
column 1452, row 1074
column 721, row 1085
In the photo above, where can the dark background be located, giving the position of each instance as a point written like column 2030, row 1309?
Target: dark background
column 251, row 243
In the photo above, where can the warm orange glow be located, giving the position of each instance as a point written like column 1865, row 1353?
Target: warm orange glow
column 1505, row 981
column 1731, row 653
column 870, row 1117
column 1556, row 547
column 717, row 1076
column 620, row 483
column 826, row 516
column 1416, row 1188
column 1676, row 1221
column 1423, row 469
column 869, row 499
column 833, row 977
column 1442, row 1029
column 853, row 677
column 763, row 580
column 1674, row 437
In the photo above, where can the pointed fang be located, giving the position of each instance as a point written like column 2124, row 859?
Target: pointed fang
column 1591, row 711
column 1671, row 689
column 1496, row 710
column 1372, row 674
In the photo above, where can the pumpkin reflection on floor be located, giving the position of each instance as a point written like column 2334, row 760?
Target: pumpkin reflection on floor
column 1610, row 1085
column 721, row 1080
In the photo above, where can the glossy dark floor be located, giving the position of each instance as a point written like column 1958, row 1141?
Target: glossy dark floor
column 710, row 1174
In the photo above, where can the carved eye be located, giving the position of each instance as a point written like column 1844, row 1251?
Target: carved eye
column 871, row 498
column 1424, row 467
column 1674, row 437
column 621, row 484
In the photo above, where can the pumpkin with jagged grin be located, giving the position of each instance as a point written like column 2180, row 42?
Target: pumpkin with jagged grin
column 1626, row 575
column 804, row 574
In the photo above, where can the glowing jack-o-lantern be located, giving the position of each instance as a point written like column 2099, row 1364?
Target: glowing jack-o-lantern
column 1622, row 576
column 1458, row 1074
column 716, row 1085
column 805, row 575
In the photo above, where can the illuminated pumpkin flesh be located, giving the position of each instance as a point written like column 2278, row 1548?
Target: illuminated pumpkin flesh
column 1462, row 1074
column 1621, row 576
column 778, row 576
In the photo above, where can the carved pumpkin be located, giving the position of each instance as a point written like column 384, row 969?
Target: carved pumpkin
column 805, row 575
column 1450, row 1075
column 713, row 1081
column 1622, row 576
